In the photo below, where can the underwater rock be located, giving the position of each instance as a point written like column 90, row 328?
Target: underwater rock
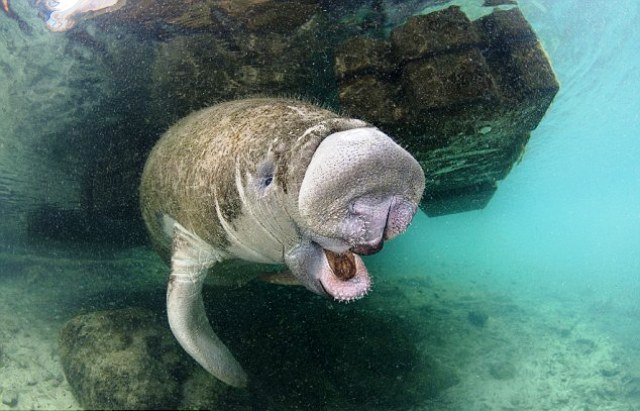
column 461, row 79
column 10, row 398
column 168, row 18
column 503, row 370
column 121, row 359
column 198, row 70
column 611, row 371
column 462, row 95
column 274, row 16
column 439, row 32
column 363, row 54
column 478, row 318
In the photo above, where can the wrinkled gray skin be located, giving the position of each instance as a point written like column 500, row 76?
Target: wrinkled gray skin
column 270, row 181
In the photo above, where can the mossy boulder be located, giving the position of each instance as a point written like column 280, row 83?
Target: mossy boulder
column 121, row 359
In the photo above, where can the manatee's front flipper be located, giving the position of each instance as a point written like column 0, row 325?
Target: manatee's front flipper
column 190, row 260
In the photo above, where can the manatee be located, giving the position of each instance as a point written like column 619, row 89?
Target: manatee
column 271, row 181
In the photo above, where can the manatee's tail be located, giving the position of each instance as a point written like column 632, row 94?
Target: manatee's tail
column 190, row 261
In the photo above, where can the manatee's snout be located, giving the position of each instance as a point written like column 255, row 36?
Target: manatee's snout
column 359, row 190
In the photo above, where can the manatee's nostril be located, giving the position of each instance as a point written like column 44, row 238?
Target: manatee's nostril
column 400, row 215
column 367, row 249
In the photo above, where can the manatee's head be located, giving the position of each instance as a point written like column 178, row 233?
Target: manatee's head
column 359, row 190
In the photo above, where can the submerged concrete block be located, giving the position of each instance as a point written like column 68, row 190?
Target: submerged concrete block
column 439, row 32
column 449, row 80
column 461, row 95
column 380, row 102
column 363, row 54
column 519, row 65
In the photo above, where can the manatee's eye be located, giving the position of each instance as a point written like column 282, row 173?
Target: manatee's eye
column 265, row 172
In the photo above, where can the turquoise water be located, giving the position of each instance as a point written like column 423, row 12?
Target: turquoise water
column 553, row 262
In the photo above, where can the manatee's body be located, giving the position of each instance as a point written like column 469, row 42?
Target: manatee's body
column 271, row 181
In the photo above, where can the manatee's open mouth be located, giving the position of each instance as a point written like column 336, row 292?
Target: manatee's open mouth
column 342, row 265
column 344, row 276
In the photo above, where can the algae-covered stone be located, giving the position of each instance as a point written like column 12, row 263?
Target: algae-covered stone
column 461, row 95
column 121, row 359
column 163, row 17
column 520, row 67
column 450, row 80
column 439, row 32
column 505, row 27
column 363, row 54
column 380, row 103
column 198, row 70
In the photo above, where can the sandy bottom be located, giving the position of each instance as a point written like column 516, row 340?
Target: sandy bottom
column 540, row 352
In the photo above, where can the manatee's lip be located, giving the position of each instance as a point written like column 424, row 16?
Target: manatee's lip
column 344, row 280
